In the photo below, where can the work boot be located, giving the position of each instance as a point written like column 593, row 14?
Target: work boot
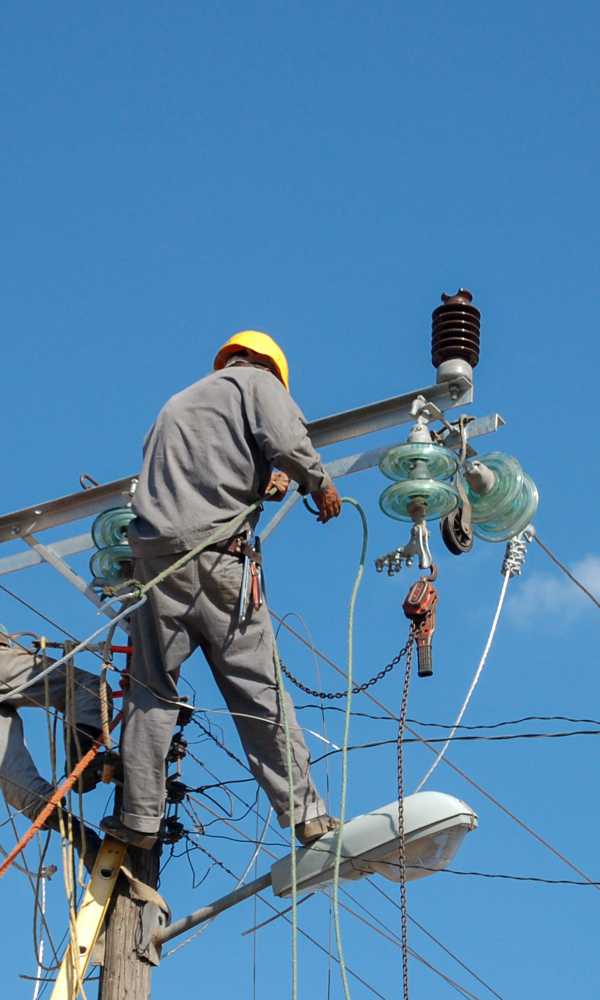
column 313, row 829
column 92, row 840
column 114, row 827
column 86, row 736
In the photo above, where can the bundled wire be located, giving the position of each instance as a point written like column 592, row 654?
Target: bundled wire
column 346, row 737
column 473, row 683
column 344, row 781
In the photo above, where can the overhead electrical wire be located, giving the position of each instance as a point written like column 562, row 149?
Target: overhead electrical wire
column 301, row 931
column 451, row 725
column 454, row 767
column 282, row 843
column 247, row 839
column 566, row 571
column 471, row 738
column 457, row 724
column 389, row 935
column 40, row 614
column 586, row 883
column 240, row 881
column 371, row 881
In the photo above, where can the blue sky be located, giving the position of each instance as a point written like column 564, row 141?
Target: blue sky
column 172, row 173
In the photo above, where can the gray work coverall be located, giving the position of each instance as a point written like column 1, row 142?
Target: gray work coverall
column 209, row 455
column 23, row 786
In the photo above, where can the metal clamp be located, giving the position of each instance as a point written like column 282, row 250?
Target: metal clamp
column 417, row 545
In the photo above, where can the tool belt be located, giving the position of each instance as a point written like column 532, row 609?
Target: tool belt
column 238, row 546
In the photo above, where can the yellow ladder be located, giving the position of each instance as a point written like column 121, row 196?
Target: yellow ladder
column 90, row 917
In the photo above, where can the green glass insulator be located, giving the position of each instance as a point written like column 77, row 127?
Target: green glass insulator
column 112, row 564
column 110, row 527
column 514, row 518
column 436, row 499
column 488, row 507
column 418, row 461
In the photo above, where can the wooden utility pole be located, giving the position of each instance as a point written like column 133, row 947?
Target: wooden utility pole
column 125, row 976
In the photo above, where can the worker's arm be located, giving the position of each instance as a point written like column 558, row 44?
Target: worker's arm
column 279, row 429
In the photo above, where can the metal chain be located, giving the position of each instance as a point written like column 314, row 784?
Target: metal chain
column 358, row 688
column 402, row 850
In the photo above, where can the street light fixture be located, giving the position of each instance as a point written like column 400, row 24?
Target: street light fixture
column 435, row 825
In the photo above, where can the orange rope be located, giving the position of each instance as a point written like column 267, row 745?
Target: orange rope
column 54, row 800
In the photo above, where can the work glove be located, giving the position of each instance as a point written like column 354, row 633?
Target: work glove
column 329, row 503
column 279, row 482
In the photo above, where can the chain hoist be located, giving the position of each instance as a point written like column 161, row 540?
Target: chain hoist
column 420, row 608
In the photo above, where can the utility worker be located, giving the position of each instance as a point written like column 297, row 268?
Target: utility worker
column 210, row 454
column 22, row 785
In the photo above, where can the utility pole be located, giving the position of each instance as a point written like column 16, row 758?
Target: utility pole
column 455, row 352
column 126, row 976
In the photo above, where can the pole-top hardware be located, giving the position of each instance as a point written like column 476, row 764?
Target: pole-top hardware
column 176, row 790
column 185, row 715
column 171, row 830
column 177, row 749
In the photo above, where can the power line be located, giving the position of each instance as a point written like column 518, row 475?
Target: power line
column 283, row 913
column 265, row 844
column 586, row 881
column 389, row 935
column 442, row 871
column 428, row 934
column 503, row 738
column 40, row 614
column 282, row 843
column 451, row 725
column 454, row 767
column 566, row 571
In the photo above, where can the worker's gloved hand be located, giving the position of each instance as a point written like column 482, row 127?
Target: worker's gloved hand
column 279, row 482
column 329, row 503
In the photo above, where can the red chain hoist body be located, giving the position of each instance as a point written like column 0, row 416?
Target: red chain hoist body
column 419, row 606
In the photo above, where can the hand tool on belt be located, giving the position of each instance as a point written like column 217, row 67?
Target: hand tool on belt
column 248, row 547
column 251, row 592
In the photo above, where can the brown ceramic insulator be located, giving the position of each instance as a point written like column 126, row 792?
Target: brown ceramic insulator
column 455, row 329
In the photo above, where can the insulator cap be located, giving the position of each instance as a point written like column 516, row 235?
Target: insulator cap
column 455, row 329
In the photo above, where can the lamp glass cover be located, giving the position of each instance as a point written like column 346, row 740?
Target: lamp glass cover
column 423, row 857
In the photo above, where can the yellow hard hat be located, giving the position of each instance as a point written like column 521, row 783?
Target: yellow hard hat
column 259, row 343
